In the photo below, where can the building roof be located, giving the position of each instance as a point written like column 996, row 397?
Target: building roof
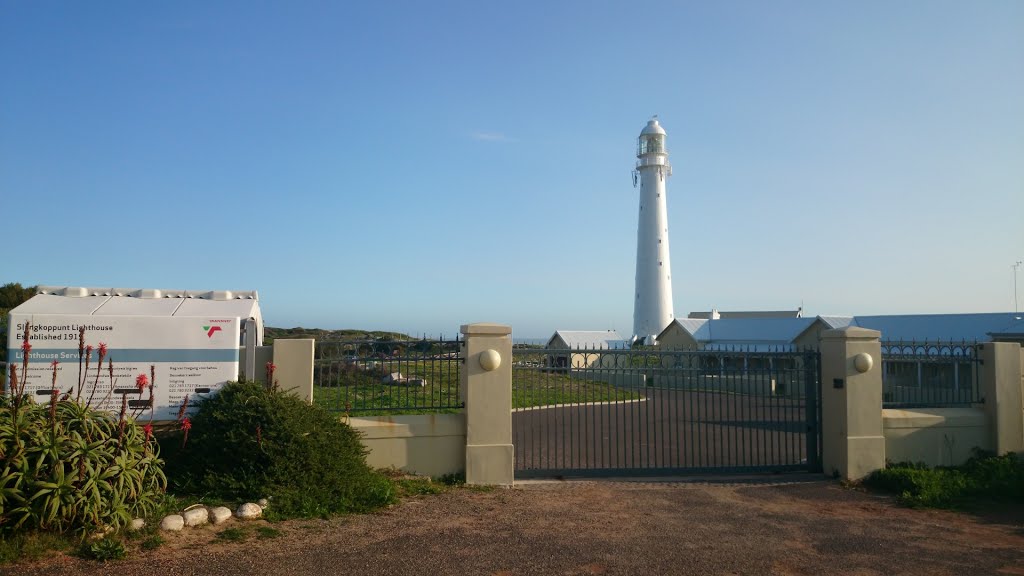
column 945, row 327
column 751, row 333
column 718, row 314
column 690, row 325
column 82, row 301
column 752, row 330
column 835, row 322
column 589, row 339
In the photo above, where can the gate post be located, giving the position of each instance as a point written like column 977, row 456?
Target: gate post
column 853, row 443
column 812, row 405
column 486, row 386
column 1002, row 389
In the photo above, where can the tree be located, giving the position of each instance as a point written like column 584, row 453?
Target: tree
column 12, row 295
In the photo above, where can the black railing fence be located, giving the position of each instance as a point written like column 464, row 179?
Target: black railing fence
column 930, row 374
column 387, row 376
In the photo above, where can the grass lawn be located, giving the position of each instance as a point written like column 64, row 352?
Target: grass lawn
column 532, row 388
column 361, row 392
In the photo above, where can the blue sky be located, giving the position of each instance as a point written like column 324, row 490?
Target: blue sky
column 416, row 166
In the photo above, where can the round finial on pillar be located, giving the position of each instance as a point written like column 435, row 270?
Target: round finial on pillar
column 490, row 360
column 863, row 362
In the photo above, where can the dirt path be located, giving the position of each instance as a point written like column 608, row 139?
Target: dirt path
column 608, row 527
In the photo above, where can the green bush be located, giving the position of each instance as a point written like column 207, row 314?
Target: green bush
column 67, row 467
column 248, row 442
column 984, row 476
column 997, row 477
column 105, row 549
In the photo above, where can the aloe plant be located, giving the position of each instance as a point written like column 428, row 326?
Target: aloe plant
column 67, row 467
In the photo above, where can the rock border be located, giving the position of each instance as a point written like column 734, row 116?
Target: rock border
column 200, row 515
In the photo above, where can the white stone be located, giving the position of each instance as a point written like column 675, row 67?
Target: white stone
column 173, row 523
column 196, row 516
column 249, row 511
column 137, row 524
column 263, row 503
column 220, row 514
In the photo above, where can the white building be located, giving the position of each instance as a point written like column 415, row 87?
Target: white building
column 582, row 347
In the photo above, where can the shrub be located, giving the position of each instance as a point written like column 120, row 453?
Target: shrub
column 103, row 550
column 997, row 477
column 249, row 442
column 984, row 476
column 152, row 542
column 65, row 466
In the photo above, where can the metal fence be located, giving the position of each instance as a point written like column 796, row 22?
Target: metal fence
column 930, row 374
column 387, row 376
column 647, row 411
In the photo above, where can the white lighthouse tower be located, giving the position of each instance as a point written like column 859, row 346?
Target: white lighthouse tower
column 652, row 303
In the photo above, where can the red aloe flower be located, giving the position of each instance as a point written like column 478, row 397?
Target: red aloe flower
column 103, row 351
column 26, row 347
column 186, row 425
column 54, row 364
column 88, row 351
column 148, row 429
column 182, row 408
column 270, row 372
column 141, row 381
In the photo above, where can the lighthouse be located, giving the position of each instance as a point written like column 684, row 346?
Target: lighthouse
column 652, row 302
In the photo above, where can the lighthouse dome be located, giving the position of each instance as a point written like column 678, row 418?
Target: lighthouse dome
column 652, row 127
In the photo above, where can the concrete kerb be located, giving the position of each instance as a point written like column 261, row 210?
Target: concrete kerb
column 579, row 404
column 697, row 479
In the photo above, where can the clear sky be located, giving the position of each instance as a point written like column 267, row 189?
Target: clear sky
column 415, row 166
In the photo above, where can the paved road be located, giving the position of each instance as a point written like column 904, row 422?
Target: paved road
column 580, row 528
column 673, row 429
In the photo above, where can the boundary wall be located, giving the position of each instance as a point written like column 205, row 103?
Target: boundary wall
column 858, row 436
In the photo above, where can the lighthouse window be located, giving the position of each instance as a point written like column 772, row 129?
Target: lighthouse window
column 659, row 263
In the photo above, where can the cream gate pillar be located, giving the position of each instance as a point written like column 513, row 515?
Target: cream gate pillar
column 486, row 387
column 294, row 361
column 852, row 440
column 1001, row 387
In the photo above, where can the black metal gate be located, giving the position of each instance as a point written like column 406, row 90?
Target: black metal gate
column 631, row 412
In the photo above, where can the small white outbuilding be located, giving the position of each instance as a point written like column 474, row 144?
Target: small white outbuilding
column 189, row 342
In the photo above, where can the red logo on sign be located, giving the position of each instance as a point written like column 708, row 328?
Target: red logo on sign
column 210, row 330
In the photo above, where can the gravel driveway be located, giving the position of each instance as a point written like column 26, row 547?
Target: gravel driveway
column 799, row 526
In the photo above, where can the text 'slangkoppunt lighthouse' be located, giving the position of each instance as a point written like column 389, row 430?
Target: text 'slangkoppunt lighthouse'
column 652, row 304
